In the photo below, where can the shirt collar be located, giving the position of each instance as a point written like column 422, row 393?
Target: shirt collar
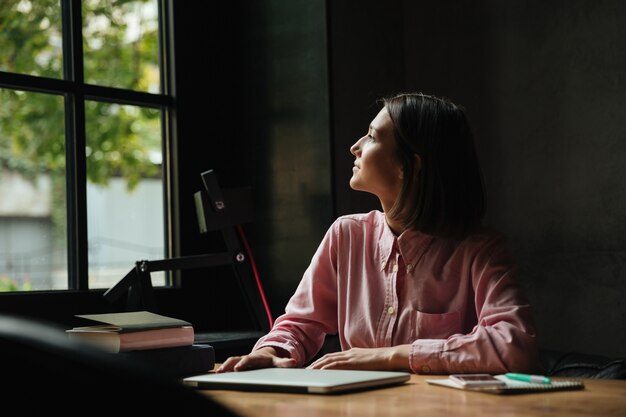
column 386, row 242
column 411, row 244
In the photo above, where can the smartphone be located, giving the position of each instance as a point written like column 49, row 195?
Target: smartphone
column 477, row 381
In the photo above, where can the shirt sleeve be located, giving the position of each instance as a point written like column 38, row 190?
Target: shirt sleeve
column 503, row 339
column 311, row 313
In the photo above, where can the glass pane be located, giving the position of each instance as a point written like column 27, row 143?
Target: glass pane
column 125, row 221
column 33, row 219
column 30, row 37
column 121, row 44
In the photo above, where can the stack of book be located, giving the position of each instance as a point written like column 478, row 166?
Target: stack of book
column 163, row 343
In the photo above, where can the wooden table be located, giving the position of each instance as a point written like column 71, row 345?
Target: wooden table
column 417, row 398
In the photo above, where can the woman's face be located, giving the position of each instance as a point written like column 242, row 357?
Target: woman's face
column 376, row 167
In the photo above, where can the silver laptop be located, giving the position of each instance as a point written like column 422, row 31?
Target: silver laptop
column 298, row 380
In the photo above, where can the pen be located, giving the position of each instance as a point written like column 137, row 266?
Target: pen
column 537, row 379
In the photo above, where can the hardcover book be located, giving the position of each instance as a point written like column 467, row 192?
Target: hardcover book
column 138, row 330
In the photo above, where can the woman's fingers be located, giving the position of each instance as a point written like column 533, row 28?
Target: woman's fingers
column 328, row 361
column 255, row 360
column 229, row 364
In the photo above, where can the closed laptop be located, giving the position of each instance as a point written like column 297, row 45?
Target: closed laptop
column 298, row 380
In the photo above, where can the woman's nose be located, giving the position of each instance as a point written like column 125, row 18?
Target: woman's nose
column 356, row 148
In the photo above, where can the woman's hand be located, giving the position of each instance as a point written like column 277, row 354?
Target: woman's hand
column 266, row 357
column 374, row 359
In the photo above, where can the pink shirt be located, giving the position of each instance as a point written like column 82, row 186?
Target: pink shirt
column 455, row 302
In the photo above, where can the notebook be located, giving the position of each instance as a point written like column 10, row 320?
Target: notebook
column 514, row 387
column 298, row 380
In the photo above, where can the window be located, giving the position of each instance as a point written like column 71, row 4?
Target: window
column 85, row 120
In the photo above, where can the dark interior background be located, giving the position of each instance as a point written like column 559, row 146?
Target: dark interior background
column 271, row 95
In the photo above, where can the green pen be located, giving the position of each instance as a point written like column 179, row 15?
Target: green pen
column 535, row 379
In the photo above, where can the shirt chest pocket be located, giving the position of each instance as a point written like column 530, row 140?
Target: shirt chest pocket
column 435, row 326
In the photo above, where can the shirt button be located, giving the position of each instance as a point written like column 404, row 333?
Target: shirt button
column 425, row 369
column 409, row 267
column 391, row 310
column 395, row 268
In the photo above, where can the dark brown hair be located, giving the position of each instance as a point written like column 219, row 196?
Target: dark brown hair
column 444, row 195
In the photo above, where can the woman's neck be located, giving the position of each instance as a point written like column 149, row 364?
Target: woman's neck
column 396, row 227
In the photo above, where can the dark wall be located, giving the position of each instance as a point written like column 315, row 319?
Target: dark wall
column 366, row 51
column 253, row 96
column 557, row 162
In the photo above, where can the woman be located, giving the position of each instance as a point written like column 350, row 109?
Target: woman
column 420, row 286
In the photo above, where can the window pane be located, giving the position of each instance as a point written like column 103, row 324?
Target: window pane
column 30, row 37
column 33, row 218
column 120, row 41
column 124, row 192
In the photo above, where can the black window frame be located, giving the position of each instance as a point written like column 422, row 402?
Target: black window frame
column 58, row 305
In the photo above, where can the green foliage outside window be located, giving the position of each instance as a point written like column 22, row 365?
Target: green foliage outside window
column 119, row 52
